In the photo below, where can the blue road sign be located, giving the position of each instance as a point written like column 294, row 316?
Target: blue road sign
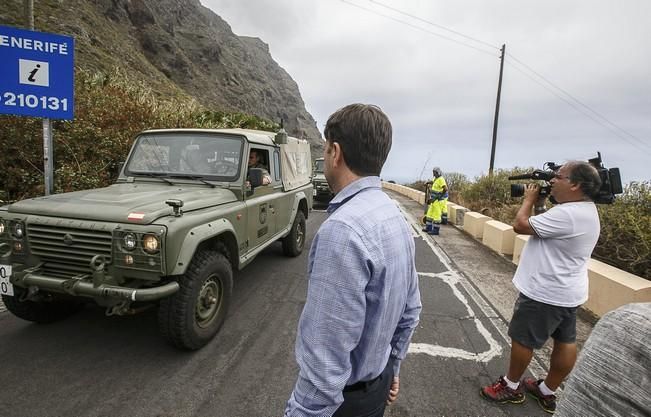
column 36, row 74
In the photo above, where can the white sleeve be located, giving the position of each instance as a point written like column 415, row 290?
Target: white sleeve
column 555, row 223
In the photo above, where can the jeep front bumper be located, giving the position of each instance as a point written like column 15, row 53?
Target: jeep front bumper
column 90, row 286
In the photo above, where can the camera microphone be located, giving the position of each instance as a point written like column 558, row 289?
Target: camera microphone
column 521, row 177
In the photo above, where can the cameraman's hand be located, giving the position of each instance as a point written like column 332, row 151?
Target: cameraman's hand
column 531, row 193
column 521, row 224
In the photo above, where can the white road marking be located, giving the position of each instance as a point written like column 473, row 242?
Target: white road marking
column 535, row 366
column 494, row 348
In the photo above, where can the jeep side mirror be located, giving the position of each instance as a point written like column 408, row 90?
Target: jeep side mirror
column 255, row 177
column 119, row 169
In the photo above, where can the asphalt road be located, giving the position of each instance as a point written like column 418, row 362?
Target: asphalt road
column 93, row 365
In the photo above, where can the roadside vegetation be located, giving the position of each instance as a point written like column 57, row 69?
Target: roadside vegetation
column 625, row 240
column 110, row 109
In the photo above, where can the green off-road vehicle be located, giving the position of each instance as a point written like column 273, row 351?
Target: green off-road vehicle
column 184, row 212
column 322, row 191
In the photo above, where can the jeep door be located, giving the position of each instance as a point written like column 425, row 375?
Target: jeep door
column 261, row 205
column 285, row 200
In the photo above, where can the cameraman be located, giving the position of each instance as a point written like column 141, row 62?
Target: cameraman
column 552, row 278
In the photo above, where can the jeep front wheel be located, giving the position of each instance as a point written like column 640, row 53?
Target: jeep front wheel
column 192, row 317
column 294, row 242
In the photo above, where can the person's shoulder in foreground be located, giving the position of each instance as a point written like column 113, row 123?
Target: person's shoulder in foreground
column 613, row 373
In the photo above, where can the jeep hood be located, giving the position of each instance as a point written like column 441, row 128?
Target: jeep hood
column 124, row 203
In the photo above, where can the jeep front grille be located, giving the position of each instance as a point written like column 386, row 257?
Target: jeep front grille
column 67, row 251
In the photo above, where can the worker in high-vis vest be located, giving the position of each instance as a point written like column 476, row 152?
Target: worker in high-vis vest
column 437, row 213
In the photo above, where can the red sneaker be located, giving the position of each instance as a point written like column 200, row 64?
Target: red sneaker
column 500, row 392
column 546, row 402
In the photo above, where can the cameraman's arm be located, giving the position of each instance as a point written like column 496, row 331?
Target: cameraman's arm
column 531, row 198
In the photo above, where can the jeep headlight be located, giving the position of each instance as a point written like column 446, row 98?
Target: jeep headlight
column 130, row 241
column 150, row 243
column 19, row 230
column 2, row 227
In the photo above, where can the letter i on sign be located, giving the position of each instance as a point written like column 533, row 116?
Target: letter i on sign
column 34, row 72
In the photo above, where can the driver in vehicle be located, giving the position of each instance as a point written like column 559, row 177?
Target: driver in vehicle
column 255, row 162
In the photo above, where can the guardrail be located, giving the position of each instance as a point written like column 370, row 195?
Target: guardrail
column 610, row 287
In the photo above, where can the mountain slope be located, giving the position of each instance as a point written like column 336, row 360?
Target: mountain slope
column 178, row 47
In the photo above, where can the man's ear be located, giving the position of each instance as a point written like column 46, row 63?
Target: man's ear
column 337, row 155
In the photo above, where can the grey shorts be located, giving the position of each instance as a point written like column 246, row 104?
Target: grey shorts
column 534, row 322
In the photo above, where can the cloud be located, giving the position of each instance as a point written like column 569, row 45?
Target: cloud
column 440, row 95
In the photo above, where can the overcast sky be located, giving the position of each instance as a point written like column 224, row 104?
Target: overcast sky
column 440, row 93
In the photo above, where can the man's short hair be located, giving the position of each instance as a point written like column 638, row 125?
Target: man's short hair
column 364, row 133
column 586, row 176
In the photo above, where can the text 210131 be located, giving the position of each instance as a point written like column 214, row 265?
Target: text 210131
column 32, row 101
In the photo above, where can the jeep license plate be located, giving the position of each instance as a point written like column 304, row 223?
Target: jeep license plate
column 6, row 287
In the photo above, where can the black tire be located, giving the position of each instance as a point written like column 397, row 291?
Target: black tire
column 49, row 310
column 192, row 317
column 294, row 242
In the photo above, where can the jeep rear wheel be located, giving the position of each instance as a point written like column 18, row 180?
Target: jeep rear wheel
column 48, row 310
column 294, row 242
column 192, row 317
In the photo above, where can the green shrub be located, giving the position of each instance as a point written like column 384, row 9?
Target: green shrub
column 457, row 184
column 491, row 195
column 625, row 240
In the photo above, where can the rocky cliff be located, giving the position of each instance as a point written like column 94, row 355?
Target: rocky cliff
column 177, row 47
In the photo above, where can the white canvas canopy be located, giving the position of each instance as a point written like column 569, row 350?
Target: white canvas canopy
column 296, row 163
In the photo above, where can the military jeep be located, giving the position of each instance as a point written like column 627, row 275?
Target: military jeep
column 184, row 213
column 321, row 191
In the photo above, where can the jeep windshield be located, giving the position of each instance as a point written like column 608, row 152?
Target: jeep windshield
column 214, row 157
column 318, row 166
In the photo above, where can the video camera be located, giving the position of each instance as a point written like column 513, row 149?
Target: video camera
column 611, row 182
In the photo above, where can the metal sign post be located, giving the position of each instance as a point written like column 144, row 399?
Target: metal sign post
column 37, row 79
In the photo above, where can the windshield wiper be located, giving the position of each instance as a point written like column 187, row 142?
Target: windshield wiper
column 195, row 177
column 154, row 175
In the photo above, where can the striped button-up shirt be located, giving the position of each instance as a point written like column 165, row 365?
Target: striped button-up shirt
column 363, row 301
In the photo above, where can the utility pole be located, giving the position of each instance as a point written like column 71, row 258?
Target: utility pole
column 48, row 157
column 29, row 13
column 497, row 111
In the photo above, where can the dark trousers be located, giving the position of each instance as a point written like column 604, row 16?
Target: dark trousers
column 367, row 399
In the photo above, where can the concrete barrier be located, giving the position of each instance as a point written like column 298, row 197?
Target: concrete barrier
column 499, row 236
column 610, row 287
column 452, row 212
column 461, row 213
column 518, row 246
column 473, row 224
column 456, row 214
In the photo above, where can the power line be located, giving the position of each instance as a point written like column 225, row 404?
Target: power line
column 600, row 116
column 434, row 24
column 418, row 27
column 572, row 101
column 579, row 109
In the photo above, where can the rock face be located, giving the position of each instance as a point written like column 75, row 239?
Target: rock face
column 178, row 47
